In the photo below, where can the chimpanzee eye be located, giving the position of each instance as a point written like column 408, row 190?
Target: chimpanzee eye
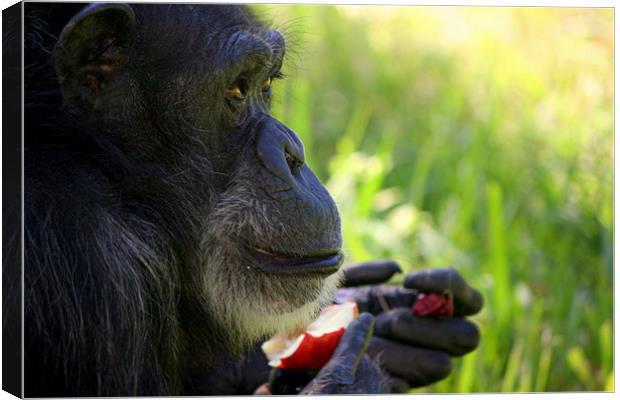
column 234, row 92
column 266, row 87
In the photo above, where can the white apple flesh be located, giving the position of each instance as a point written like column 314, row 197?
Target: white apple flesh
column 313, row 348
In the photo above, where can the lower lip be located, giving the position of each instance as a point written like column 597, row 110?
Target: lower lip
column 268, row 262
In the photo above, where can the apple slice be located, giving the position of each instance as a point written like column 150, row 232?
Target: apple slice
column 434, row 305
column 313, row 348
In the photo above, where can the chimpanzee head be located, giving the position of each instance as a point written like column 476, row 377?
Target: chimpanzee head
column 186, row 95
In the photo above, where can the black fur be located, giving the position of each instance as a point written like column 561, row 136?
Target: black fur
column 122, row 184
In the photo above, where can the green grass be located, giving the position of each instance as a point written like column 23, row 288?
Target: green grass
column 480, row 138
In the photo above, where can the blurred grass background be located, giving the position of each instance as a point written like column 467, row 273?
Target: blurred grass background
column 480, row 138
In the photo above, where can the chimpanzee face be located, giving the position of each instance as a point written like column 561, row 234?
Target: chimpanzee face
column 189, row 92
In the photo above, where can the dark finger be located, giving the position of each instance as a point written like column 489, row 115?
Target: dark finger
column 455, row 336
column 467, row 300
column 355, row 340
column 418, row 366
column 376, row 299
column 396, row 385
column 350, row 350
column 368, row 380
column 371, row 272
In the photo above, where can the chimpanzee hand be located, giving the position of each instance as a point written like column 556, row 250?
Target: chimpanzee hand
column 350, row 370
column 415, row 351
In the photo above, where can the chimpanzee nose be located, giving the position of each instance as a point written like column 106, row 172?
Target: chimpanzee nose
column 279, row 149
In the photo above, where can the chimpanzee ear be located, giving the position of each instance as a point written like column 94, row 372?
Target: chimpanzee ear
column 90, row 47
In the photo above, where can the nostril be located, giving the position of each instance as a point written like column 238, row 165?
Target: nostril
column 294, row 164
column 279, row 150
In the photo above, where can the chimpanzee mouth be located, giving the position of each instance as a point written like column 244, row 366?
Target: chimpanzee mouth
column 324, row 262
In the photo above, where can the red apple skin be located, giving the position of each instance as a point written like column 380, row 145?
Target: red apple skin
column 433, row 305
column 313, row 352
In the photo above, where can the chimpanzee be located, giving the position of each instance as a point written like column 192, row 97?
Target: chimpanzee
column 171, row 223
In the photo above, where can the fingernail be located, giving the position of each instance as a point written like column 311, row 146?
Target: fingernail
column 365, row 318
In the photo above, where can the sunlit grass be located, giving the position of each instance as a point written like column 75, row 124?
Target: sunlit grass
column 479, row 138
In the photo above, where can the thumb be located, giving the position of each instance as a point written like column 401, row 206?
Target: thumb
column 351, row 349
